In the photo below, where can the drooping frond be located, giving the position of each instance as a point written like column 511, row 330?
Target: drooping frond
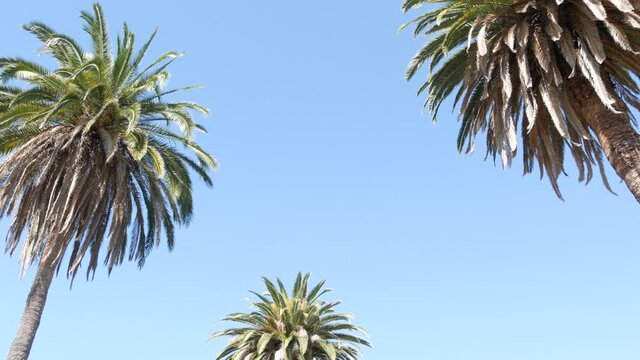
column 292, row 325
column 511, row 65
column 62, row 47
column 93, row 160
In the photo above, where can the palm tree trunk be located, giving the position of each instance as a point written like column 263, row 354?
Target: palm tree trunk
column 618, row 137
column 21, row 346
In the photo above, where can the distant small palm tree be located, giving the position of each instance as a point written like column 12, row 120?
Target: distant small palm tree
column 90, row 158
column 295, row 326
column 559, row 74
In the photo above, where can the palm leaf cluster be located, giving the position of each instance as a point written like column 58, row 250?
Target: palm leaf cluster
column 512, row 65
column 90, row 150
column 292, row 326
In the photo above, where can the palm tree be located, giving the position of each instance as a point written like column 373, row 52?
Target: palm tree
column 562, row 72
column 292, row 326
column 90, row 155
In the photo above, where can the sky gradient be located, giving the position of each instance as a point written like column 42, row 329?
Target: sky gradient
column 327, row 165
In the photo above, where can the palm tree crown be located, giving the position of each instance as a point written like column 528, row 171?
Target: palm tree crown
column 291, row 326
column 90, row 150
column 518, row 64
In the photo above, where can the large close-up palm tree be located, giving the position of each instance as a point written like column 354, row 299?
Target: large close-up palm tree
column 562, row 73
column 296, row 325
column 91, row 162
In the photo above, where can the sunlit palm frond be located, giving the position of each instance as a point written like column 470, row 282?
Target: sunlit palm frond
column 292, row 325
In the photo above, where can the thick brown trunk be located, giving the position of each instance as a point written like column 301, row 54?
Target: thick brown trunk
column 619, row 139
column 21, row 346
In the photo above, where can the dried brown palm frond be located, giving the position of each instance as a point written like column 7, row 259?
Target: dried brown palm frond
column 527, row 67
column 70, row 189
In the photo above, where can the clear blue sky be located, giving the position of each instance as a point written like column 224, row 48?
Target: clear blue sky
column 328, row 166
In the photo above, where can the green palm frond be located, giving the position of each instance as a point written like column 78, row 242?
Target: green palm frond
column 88, row 166
column 511, row 65
column 291, row 325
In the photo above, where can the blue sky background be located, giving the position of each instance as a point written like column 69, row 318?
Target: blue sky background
column 327, row 166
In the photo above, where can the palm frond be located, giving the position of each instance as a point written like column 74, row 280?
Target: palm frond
column 292, row 325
